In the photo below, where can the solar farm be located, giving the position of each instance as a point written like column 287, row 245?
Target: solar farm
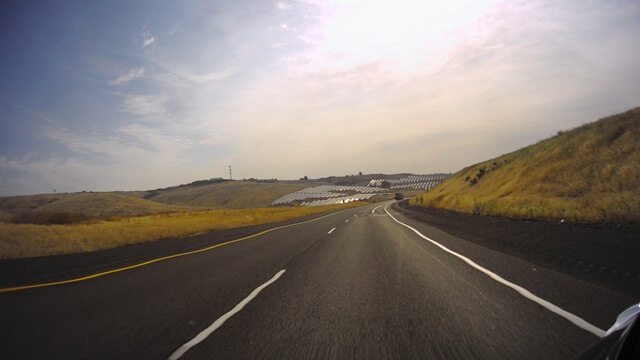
column 341, row 194
column 328, row 195
column 416, row 182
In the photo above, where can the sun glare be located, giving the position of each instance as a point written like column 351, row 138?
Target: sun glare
column 401, row 33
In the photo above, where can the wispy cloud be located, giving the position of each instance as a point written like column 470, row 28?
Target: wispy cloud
column 179, row 76
column 284, row 26
column 37, row 114
column 147, row 39
column 469, row 78
column 99, row 162
column 131, row 75
column 205, row 78
column 146, row 105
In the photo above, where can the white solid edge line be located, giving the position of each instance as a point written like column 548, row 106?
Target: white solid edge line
column 330, row 231
column 581, row 323
column 216, row 324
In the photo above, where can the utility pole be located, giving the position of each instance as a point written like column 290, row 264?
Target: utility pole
column 230, row 177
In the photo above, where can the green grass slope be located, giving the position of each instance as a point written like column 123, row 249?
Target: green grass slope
column 588, row 174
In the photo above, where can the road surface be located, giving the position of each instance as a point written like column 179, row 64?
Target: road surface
column 355, row 284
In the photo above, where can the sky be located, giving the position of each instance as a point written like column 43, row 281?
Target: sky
column 135, row 95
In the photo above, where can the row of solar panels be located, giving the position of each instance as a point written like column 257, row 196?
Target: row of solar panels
column 336, row 188
column 418, row 186
column 410, row 179
column 340, row 200
column 326, row 192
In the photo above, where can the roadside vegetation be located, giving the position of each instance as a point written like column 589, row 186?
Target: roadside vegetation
column 100, row 205
column 190, row 197
column 30, row 240
column 588, row 174
column 236, row 194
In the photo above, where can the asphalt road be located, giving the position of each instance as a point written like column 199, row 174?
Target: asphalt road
column 356, row 284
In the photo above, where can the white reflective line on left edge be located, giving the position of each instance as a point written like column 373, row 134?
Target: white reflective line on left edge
column 216, row 324
column 330, row 231
column 579, row 322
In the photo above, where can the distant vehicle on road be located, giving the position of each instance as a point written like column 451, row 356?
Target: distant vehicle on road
column 399, row 196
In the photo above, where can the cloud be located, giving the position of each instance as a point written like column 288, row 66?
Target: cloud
column 84, row 144
column 131, row 75
column 205, row 78
column 40, row 115
column 136, row 158
column 147, row 39
column 179, row 76
column 464, row 80
column 146, row 105
column 283, row 5
column 284, row 26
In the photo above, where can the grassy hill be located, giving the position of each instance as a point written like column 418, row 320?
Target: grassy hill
column 90, row 205
column 588, row 174
column 104, row 205
column 229, row 194
column 66, row 208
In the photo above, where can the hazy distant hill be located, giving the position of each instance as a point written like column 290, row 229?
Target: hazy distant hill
column 92, row 204
column 200, row 195
column 229, row 194
column 588, row 174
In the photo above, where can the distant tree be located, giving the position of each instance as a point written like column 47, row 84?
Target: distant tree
column 360, row 173
column 385, row 184
column 304, row 178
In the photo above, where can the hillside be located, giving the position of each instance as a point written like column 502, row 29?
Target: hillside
column 229, row 194
column 94, row 205
column 190, row 197
column 198, row 195
column 588, row 174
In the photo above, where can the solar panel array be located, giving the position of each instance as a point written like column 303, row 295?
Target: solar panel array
column 328, row 194
column 419, row 182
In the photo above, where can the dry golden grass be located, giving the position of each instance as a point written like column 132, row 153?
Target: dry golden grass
column 105, row 205
column 588, row 174
column 231, row 194
column 100, row 205
column 26, row 240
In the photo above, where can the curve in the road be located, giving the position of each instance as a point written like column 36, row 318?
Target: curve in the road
column 149, row 262
column 581, row 323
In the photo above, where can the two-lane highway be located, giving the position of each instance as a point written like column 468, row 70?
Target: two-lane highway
column 355, row 284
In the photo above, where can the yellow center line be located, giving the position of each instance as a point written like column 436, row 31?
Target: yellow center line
column 149, row 262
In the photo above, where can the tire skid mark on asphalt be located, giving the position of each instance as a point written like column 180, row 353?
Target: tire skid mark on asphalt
column 574, row 319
